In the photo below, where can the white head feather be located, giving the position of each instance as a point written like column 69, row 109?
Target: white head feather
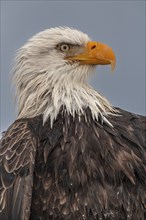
column 45, row 81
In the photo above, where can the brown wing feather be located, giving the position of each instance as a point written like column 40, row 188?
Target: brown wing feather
column 17, row 156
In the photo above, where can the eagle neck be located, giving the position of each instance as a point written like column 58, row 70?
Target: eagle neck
column 75, row 98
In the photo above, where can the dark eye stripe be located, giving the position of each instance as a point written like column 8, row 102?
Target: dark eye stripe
column 69, row 49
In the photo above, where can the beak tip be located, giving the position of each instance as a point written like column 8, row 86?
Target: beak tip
column 113, row 65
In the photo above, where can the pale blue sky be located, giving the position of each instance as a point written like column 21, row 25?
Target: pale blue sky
column 120, row 24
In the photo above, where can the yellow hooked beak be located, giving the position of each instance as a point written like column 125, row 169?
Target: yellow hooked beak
column 96, row 53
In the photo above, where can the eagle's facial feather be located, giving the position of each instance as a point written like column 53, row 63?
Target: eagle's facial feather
column 46, row 79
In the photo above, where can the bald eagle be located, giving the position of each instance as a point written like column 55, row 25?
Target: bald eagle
column 70, row 155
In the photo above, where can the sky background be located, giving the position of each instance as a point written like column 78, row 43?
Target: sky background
column 120, row 24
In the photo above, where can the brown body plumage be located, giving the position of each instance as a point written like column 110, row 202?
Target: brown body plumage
column 83, row 169
column 70, row 155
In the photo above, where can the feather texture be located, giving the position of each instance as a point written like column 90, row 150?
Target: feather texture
column 92, row 171
column 83, row 169
column 17, row 157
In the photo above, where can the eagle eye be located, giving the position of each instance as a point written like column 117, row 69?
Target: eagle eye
column 64, row 47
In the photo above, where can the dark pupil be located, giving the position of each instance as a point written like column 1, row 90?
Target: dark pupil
column 64, row 47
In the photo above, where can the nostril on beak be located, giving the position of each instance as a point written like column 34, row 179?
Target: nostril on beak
column 93, row 47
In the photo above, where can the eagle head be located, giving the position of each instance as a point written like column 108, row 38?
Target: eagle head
column 51, row 71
